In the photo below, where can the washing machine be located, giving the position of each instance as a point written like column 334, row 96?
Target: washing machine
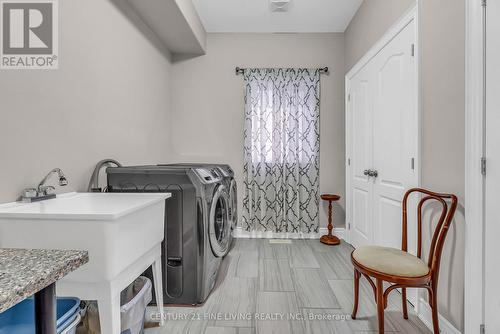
column 230, row 185
column 197, row 224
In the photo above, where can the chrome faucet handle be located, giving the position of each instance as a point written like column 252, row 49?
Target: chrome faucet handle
column 46, row 190
column 29, row 193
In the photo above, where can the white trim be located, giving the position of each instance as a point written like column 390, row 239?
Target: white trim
column 407, row 18
column 242, row 234
column 474, row 180
column 425, row 315
column 418, row 163
column 348, row 160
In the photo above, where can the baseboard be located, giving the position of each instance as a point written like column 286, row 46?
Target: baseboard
column 425, row 314
column 240, row 233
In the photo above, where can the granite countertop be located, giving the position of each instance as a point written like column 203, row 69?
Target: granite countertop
column 23, row 272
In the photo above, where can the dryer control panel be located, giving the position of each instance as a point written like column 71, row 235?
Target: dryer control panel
column 209, row 175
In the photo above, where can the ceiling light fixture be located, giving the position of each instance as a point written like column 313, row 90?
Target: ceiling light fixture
column 279, row 5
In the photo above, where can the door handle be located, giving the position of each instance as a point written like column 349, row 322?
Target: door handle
column 370, row 173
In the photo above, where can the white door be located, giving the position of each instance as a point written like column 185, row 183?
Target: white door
column 395, row 127
column 492, row 228
column 359, row 122
column 382, row 132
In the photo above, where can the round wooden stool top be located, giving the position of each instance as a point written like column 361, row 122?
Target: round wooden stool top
column 330, row 197
column 330, row 239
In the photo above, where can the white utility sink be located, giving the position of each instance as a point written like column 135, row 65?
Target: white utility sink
column 121, row 231
column 82, row 206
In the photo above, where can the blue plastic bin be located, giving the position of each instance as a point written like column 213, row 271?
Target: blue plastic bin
column 20, row 319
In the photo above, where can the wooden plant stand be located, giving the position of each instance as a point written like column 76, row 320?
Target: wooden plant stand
column 330, row 239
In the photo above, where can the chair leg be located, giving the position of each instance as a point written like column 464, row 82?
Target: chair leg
column 435, row 318
column 405, row 304
column 357, row 275
column 380, row 305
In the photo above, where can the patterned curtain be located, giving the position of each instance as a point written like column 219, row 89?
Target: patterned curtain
column 281, row 165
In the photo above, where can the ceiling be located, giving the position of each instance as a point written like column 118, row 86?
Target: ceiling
column 256, row 15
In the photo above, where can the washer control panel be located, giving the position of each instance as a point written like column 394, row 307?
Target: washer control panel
column 209, row 175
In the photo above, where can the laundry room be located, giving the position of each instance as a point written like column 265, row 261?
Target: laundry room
column 239, row 166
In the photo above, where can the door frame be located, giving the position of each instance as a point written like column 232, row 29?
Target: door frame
column 475, row 148
column 408, row 17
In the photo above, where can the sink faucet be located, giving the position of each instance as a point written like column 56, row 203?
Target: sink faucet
column 43, row 192
column 94, row 180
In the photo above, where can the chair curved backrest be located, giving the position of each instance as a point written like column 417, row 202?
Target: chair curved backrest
column 443, row 224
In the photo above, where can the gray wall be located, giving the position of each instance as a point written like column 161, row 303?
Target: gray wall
column 109, row 98
column 443, row 133
column 207, row 100
column 371, row 21
column 442, row 34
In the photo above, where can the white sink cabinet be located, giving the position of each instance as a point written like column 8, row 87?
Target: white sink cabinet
column 121, row 231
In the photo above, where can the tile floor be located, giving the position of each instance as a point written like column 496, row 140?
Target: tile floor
column 303, row 287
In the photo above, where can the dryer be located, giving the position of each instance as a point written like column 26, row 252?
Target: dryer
column 197, row 224
column 230, row 183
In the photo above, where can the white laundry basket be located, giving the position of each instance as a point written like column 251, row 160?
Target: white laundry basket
column 133, row 299
column 71, row 329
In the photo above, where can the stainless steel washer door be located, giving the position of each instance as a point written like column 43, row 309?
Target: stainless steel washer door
column 233, row 208
column 219, row 224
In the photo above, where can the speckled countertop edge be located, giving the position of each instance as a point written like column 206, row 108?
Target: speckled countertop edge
column 23, row 272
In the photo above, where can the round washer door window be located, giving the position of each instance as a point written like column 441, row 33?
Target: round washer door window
column 220, row 225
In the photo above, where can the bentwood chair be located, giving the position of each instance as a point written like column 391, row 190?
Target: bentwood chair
column 402, row 269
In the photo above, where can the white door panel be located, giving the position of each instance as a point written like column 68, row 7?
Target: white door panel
column 394, row 130
column 362, row 228
column 361, row 122
column 388, row 211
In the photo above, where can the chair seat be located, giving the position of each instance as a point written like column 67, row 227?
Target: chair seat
column 390, row 261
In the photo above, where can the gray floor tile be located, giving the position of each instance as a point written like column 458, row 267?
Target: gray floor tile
column 265, row 249
column 313, row 290
column 319, row 247
column 366, row 319
column 221, row 330
column 326, row 321
column 248, row 264
column 237, row 298
column 275, row 275
column 268, row 250
column 182, row 320
column 302, row 256
column 275, row 310
column 247, row 245
column 229, row 265
column 334, row 265
column 411, row 326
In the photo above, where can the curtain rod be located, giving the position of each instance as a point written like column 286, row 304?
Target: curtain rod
column 322, row 70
